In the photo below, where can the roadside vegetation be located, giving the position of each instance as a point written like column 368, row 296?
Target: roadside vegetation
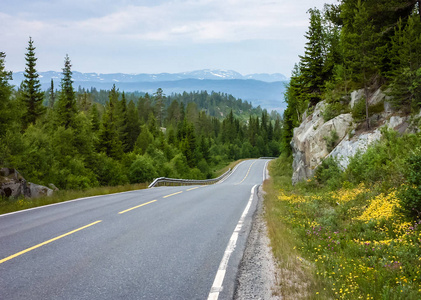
column 21, row 203
column 354, row 233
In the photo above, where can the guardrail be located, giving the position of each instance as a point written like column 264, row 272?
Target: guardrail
column 164, row 181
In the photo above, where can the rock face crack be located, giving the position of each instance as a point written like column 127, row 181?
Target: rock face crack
column 256, row 277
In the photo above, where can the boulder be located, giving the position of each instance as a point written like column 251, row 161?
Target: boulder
column 13, row 185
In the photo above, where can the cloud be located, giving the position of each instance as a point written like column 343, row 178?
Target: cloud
column 90, row 30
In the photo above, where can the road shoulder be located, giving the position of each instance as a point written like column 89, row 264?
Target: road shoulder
column 257, row 273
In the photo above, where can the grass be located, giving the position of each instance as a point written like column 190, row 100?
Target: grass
column 11, row 205
column 222, row 168
column 295, row 273
column 349, row 243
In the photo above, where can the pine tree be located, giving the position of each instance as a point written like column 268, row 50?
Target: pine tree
column 312, row 63
column 360, row 41
column 66, row 106
column 109, row 142
column 405, row 87
column 32, row 96
column 52, row 95
column 133, row 126
column 159, row 106
column 5, row 93
column 95, row 122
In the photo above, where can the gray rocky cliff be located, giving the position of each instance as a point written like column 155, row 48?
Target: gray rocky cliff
column 310, row 142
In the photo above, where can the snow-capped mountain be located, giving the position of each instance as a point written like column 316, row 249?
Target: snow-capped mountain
column 265, row 90
column 45, row 77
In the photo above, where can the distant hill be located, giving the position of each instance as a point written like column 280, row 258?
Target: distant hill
column 265, row 90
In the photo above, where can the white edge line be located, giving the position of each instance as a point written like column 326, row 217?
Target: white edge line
column 265, row 171
column 222, row 269
column 221, row 181
column 63, row 202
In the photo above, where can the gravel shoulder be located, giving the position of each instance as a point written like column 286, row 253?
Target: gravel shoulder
column 257, row 274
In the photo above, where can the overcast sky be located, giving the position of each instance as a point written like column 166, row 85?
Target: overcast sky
column 154, row 36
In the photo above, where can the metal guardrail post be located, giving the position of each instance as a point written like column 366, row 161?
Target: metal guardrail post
column 174, row 181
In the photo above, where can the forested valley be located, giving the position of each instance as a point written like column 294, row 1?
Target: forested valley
column 88, row 138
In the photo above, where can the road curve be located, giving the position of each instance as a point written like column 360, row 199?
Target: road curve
column 159, row 243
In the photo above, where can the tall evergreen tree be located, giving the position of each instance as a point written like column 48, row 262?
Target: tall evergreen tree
column 405, row 87
column 133, row 125
column 109, row 141
column 360, row 42
column 32, row 96
column 66, row 106
column 52, row 95
column 5, row 93
column 312, row 63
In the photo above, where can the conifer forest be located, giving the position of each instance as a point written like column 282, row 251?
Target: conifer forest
column 78, row 139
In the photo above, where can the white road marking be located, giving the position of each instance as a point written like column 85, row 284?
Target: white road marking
column 219, row 278
column 63, row 202
column 221, row 181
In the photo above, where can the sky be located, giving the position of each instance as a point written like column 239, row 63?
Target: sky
column 156, row 36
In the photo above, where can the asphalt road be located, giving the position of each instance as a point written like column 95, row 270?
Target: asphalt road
column 159, row 243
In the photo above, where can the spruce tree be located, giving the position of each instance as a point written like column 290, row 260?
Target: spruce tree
column 66, row 106
column 312, row 63
column 133, row 126
column 5, row 93
column 109, row 141
column 32, row 96
column 52, row 95
column 405, row 87
column 360, row 41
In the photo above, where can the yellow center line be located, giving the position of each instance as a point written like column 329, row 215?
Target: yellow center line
column 124, row 211
column 192, row 189
column 247, row 173
column 172, row 194
column 46, row 242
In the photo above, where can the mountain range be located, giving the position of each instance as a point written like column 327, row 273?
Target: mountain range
column 262, row 89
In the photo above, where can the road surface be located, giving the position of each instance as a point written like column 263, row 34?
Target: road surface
column 160, row 243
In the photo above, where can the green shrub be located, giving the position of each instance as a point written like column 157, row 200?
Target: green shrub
column 331, row 140
column 142, row 170
column 329, row 173
column 358, row 111
column 410, row 193
column 332, row 110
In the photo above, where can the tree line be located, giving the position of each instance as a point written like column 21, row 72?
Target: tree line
column 352, row 45
column 67, row 138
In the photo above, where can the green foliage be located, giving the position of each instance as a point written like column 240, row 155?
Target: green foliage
column 410, row 193
column 405, row 86
column 358, row 111
column 32, row 96
column 142, row 170
column 66, row 105
column 96, row 138
column 6, row 114
column 333, row 110
column 331, row 140
column 329, row 173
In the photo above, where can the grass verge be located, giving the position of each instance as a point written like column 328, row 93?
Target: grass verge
column 348, row 243
column 222, row 169
column 295, row 273
column 11, row 205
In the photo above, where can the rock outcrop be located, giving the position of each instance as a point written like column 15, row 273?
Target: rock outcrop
column 310, row 142
column 13, row 185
